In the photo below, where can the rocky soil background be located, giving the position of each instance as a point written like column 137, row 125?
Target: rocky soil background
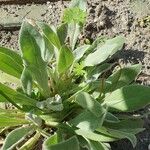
column 105, row 18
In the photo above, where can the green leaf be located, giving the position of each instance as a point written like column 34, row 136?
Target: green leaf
column 48, row 54
column 15, row 137
column 95, row 85
column 87, row 121
column 6, row 78
column 82, row 4
column 95, row 145
column 123, row 77
column 92, row 145
column 9, row 121
column 118, row 134
column 10, row 62
column 128, row 98
column 26, row 80
column 111, row 118
column 14, row 55
column 50, row 141
column 75, row 15
column 133, row 131
column 53, row 103
column 73, row 33
column 78, row 70
column 49, row 34
column 87, row 102
column 133, row 126
column 122, row 129
column 32, row 45
column 8, row 100
column 95, row 136
column 104, row 51
column 79, row 52
column 97, row 43
column 65, row 59
column 62, row 33
column 72, row 143
column 11, row 113
column 95, row 71
column 16, row 97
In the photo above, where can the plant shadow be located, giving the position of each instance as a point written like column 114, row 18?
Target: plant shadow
column 131, row 56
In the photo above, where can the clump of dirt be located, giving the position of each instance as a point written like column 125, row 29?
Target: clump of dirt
column 51, row 14
column 9, row 39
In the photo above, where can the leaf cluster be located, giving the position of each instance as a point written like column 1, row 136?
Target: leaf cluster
column 66, row 93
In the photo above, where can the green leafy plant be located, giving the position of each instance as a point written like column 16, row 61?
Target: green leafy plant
column 64, row 92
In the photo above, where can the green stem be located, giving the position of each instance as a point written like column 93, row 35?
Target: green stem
column 31, row 142
column 45, row 134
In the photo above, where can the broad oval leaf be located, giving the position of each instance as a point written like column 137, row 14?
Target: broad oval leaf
column 32, row 45
column 15, row 137
column 49, row 34
column 87, row 102
column 79, row 52
column 65, row 59
column 103, row 52
column 128, row 98
column 122, row 77
column 87, row 121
